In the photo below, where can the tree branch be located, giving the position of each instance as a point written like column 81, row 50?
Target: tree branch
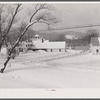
column 44, row 17
column 16, row 43
column 36, row 10
column 16, row 11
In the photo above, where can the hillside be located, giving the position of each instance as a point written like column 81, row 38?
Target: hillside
column 59, row 35
column 51, row 35
column 27, row 71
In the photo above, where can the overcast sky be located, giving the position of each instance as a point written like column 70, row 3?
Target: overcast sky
column 73, row 14
column 78, row 14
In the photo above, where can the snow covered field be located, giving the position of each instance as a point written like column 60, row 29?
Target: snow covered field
column 44, row 70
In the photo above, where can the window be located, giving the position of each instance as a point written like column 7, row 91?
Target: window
column 97, row 50
column 59, row 50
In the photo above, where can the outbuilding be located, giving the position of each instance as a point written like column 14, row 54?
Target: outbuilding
column 59, row 46
column 95, row 45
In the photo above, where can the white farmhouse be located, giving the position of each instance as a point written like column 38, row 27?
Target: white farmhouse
column 42, row 44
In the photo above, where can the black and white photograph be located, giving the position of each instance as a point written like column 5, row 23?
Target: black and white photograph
column 49, row 45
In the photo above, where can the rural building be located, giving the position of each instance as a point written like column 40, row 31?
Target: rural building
column 95, row 45
column 38, row 43
column 84, row 48
column 51, row 46
column 25, row 46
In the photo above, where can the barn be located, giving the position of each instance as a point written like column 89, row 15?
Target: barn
column 51, row 46
column 95, row 45
column 38, row 43
column 42, row 44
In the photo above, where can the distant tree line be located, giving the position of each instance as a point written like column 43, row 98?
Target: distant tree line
column 14, row 34
column 81, row 41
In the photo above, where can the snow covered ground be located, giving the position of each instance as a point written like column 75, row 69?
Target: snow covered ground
column 39, row 70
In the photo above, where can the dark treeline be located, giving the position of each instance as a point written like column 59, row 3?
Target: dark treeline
column 15, row 33
column 83, row 40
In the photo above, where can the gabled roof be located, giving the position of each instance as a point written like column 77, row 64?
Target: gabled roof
column 51, row 45
column 95, row 41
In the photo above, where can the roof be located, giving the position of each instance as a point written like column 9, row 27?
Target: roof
column 95, row 41
column 50, row 45
column 36, row 35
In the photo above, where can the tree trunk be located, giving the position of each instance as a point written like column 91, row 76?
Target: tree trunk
column 0, row 34
column 16, row 43
column 10, row 25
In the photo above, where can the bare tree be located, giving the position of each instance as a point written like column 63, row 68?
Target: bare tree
column 2, row 20
column 93, row 33
column 22, row 26
column 7, row 19
column 33, row 19
column 48, row 19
